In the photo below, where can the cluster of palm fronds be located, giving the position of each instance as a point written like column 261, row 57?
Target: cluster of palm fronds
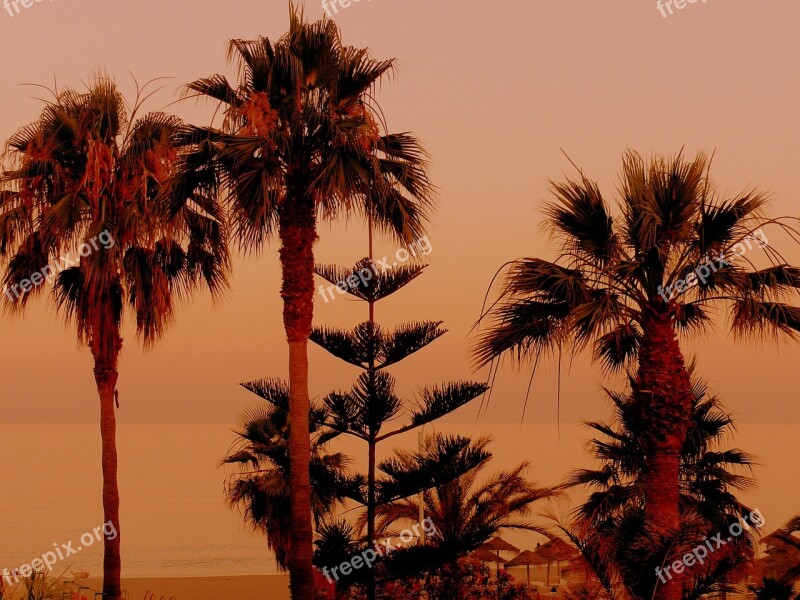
column 610, row 528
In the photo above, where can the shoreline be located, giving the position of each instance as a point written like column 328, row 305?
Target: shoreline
column 241, row 587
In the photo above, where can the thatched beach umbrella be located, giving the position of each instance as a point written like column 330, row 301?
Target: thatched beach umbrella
column 578, row 568
column 558, row 550
column 526, row 558
column 499, row 545
column 484, row 555
column 554, row 551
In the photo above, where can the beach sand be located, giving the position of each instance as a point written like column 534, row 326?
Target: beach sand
column 259, row 587
column 256, row 587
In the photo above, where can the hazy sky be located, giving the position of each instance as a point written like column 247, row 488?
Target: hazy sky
column 495, row 90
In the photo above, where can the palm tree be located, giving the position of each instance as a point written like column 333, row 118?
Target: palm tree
column 261, row 454
column 301, row 141
column 441, row 459
column 608, row 524
column 87, row 170
column 465, row 512
column 628, row 283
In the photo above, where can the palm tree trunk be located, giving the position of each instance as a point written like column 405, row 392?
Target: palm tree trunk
column 298, row 234
column 105, row 374
column 663, row 391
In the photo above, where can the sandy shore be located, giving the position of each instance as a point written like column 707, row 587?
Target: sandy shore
column 257, row 587
column 268, row 587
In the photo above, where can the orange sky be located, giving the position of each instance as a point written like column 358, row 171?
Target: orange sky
column 495, row 93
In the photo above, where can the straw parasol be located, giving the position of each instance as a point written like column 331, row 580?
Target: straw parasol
column 578, row 567
column 498, row 544
column 558, row 550
column 487, row 556
column 554, row 551
column 526, row 558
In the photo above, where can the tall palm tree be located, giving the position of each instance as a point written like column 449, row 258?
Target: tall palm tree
column 607, row 527
column 627, row 283
column 261, row 454
column 301, row 141
column 88, row 170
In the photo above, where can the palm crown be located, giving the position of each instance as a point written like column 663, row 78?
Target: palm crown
column 609, row 525
column 87, row 168
column 261, row 455
column 709, row 476
column 467, row 512
column 616, row 272
column 299, row 124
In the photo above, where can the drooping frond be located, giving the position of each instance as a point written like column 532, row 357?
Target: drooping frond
column 259, row 486
column 88, row 213
column 669, row 248
column 524, row 328
column 300, row 121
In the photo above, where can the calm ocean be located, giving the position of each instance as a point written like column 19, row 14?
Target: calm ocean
column 174, row 519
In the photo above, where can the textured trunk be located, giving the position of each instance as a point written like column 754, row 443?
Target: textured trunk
column 112, row 561
column 298, row 234
column 105, row 375
column 663, row 391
